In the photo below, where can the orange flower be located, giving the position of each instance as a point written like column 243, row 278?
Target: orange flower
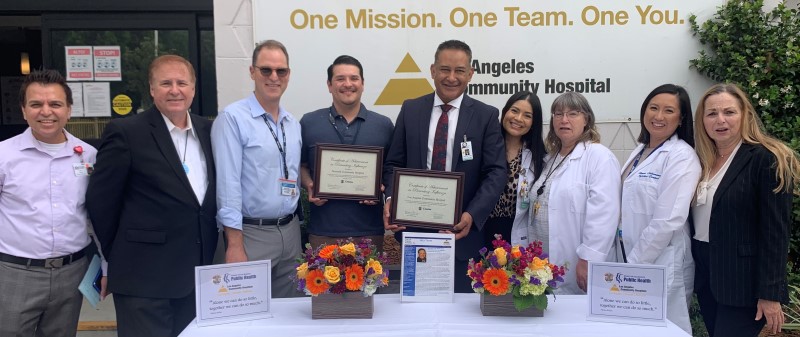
column 495, row 281
column 515, row 252
column 315, row 282
column 327, row 251
column 355, row 277
column 537, row 264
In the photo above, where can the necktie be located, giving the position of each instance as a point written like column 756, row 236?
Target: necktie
column 439, row 156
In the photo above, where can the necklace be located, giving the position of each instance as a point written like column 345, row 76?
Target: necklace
column 540, row 191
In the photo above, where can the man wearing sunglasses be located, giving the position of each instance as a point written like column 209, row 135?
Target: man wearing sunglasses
column 256, row 144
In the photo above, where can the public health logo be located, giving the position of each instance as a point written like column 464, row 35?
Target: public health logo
column 401, row 89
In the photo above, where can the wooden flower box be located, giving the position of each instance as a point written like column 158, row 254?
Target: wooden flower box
column 504, row 306
column 347, row 305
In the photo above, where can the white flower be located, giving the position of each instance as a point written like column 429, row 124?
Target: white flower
column 753, row 83
column 755, row 96
column 763, row 102
column 725, row 23
column 788, row 105
column 756, row 65
column 786, row 90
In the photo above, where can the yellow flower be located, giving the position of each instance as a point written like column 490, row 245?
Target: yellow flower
column 538, row 264
column 376, row 266
column 332, row 274
column 348, row 249
column 302, row 270
column 502, row 255
column 515, row 252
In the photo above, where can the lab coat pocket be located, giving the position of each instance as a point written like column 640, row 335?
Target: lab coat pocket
column 645, row 198
column 578, row 198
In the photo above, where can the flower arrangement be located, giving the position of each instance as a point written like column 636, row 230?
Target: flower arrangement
column 523, row 272
column 340, row 268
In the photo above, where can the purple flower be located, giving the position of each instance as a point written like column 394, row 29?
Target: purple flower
column 551, row 284
column 301, row 284
column 514, row 280
column 478, row 285
column 493, row 261
column 535, row 281
column 483, row 251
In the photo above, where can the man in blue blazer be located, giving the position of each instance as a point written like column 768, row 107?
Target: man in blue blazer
column 152, row 201
column 415, row 144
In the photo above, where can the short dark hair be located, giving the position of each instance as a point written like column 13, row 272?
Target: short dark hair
column 44, row 77
column 685, row 130
column 453, row 44
column 169, row 58
column 270, row 44
column 533, row 139
column 345, row 59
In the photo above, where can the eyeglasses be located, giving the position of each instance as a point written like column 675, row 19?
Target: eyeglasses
column 267, row 72
column 570, row 114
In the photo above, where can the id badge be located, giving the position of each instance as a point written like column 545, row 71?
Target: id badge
column 288, row 187
column 82, row 169
column 466, row 150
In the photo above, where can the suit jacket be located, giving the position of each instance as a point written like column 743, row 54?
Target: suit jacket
column 749, row 231
column 485, row 174
column 147, row 218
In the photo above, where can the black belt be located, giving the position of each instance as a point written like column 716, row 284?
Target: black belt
column 268, row 222
column 56, row 262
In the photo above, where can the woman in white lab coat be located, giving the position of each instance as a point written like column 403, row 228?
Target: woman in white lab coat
column 659, row 180
column 522, row 131
column 575, row 201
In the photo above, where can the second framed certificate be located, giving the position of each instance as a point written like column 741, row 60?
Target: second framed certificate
column 348, row 172
column 427, row 199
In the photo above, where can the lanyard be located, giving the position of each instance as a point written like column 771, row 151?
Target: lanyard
column 540, row 191
column 339, row 133
column 639, row 156
column 281, row 149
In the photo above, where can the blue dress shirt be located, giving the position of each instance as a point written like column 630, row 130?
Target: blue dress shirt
column 249, row 164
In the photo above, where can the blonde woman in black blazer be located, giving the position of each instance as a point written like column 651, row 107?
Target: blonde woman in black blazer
column 741, row 216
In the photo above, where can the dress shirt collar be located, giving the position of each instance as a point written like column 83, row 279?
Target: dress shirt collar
column 28, row 141
column 456, row 103
column 171, row 127
column 257, row 110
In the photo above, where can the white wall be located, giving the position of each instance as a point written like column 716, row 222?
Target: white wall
column 233, row 27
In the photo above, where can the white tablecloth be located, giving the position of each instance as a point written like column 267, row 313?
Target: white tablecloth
column 565, row 316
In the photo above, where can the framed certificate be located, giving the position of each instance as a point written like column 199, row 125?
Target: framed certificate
column 348, row 172
column 427, row 199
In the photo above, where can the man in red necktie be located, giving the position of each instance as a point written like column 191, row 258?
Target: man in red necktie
column 429, row 133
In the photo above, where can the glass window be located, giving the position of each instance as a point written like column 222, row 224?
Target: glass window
column 137, row 48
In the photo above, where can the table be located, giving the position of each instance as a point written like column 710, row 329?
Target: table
column 565, row 316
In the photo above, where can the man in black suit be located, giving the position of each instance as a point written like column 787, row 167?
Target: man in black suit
column 152, row 201
column 449, row 112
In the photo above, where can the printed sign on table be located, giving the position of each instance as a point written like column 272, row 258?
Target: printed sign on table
column 233, row 292
column 627, row 293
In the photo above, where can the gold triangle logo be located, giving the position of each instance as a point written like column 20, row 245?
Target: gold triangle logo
column 401, row 89
column 407, row 65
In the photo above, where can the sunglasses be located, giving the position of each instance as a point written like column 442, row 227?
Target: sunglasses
column 267, row 72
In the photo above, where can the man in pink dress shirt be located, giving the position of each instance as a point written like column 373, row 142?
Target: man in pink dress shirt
column 44, row 173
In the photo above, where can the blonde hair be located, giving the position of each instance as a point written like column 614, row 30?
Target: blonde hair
column 752, row 132
column 571, row 101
